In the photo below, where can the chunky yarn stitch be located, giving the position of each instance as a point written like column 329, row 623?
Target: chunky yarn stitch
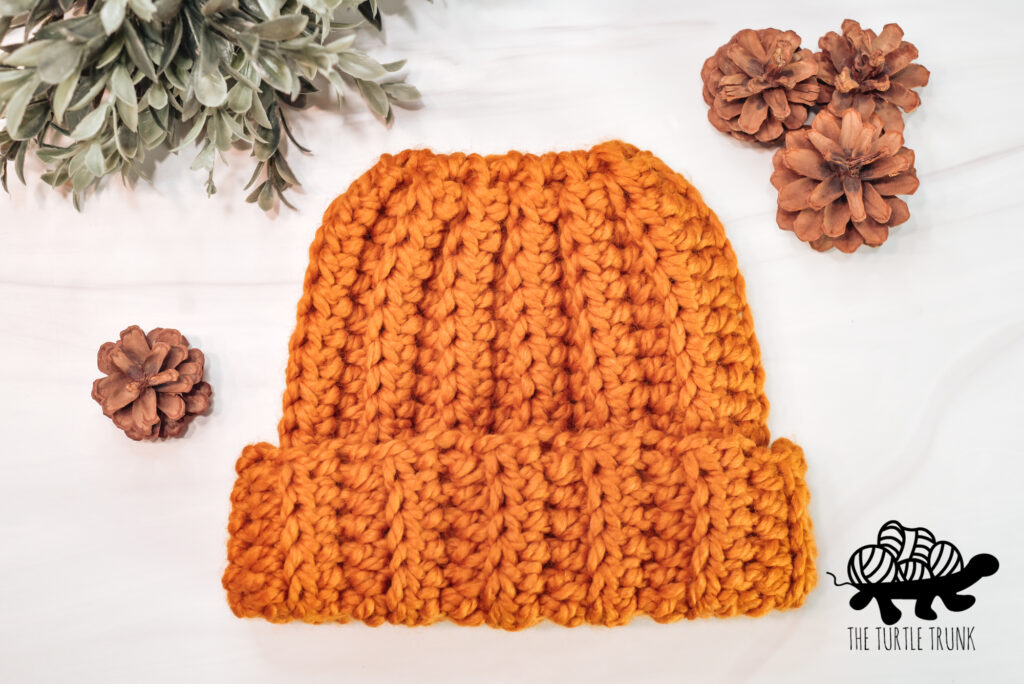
column 521, row 388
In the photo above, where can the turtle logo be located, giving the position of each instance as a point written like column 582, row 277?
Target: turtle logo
column 908, row 563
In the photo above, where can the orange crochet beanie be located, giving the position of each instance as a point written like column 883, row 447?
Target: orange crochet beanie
column 521, row 388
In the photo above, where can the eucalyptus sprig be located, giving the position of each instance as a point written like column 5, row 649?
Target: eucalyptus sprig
column 94, row 85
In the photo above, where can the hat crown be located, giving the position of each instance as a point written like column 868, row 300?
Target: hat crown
column 570, row 291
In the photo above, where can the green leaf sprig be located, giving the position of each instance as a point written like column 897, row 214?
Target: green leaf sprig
column 94, row 85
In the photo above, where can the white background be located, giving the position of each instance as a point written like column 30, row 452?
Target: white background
column 899, row 370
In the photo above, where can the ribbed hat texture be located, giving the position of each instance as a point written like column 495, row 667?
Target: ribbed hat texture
column 521, row 388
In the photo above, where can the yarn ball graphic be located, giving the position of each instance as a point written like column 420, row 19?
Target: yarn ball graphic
column 913, row 569
column 906, row 542
column 872, row 564
column 945, row 559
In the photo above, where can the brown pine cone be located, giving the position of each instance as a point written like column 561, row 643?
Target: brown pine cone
column 838, row 180
column 871, row 73
column 760, row 84
column 153, row 384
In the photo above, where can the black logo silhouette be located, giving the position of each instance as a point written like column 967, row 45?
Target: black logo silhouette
column 908, row 563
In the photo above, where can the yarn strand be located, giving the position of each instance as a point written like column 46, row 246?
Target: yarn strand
column 836, row 582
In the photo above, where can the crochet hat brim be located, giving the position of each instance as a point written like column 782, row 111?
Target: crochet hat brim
column 594, row 526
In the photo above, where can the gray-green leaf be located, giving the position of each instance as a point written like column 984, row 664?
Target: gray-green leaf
column 270, row 7
column 275, row 71
column 129, row 114
column 11, row 80
column 36, row 116
column 94, row 159
column 121, row 85
column 360, row 65
column 341, row 44
column 156, row 96
column 193, row 132
column 285, row 171
column 137, row 51
column 127, row 142
column 149, row 130
column 144, row 9
column 62, row 95
column 167, row 9
column 265, row 200
column 8, row 75
column 213, row 49
column 240, row 98
column 112, row 15
column 211, row 88
column 204, row 160
column 170, row 48
column 10, row 8
column 218, row 131
column 284, row 28
column 81, row 177
column 402, row 92
column 30, row 54
column 268, row 141
column 233, row 125
column 259, row 112
column 49, row 154
column 213, row 6
column 111, row 51
column 92, row 123
column 18, row 103
column 339, row 87
column 61, row 61
column 375, row 97
column 91, row 91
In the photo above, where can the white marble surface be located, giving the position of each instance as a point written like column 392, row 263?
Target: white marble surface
column 899, row 370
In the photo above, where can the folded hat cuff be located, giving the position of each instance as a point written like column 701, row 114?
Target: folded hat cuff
column 508, row 529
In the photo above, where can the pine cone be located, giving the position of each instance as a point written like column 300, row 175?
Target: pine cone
column 870, row 73
column 838, row 181
column 153, row 386
column 760, row 84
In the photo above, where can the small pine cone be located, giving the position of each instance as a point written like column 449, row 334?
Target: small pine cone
column 760, row 84
column 153, row 384
column 872, row 73
column 838, row 180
